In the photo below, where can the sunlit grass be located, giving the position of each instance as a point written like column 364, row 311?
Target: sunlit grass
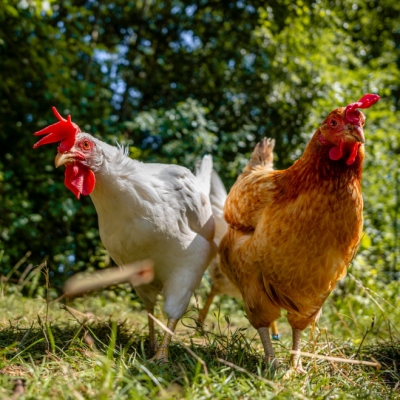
column 97, row 348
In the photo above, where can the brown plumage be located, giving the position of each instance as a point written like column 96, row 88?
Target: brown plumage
column 292, row 233
column 262, row 158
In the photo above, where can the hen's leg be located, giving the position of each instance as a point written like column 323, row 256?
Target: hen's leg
column 261, row 313
column 152, row 332
column 203, row 313
column 162, row 352
column 275, row 332
column 148, row 295
column 296, row 359
column 298, row 324
column 268, row 349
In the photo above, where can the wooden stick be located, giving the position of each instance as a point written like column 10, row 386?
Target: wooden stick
column 376, row 364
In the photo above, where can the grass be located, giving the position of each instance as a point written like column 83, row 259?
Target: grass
column 97, row 348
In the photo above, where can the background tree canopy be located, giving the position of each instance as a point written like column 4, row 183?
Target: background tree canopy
column 175, row 80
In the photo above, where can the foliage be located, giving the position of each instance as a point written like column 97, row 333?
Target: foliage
column 175, row 80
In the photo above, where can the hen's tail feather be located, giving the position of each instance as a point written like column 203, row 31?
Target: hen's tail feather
column 218, row 197
column 262, row 157
column 203, row 174
column 218, row 192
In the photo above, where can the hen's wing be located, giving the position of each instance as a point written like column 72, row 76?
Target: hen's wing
column 175, row 202
column 253, row 190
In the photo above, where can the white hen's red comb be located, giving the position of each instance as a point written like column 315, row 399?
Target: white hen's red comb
column 64, row 131
column 365, row 102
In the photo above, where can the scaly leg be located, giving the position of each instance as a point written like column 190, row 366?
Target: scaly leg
column 296, row 360
column 203, row 313
column 152, row 333
column 268, row 349
column 275, row 332
column 162, row 352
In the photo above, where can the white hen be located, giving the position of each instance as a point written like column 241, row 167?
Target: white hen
column 154, row 211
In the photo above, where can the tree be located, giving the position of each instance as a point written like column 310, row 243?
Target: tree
column 176, row 80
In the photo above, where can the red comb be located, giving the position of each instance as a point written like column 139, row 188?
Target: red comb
column 64, row 131
column 365, row 102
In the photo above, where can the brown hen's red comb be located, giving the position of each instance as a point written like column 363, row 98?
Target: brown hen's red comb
column 64, row 131
column 365, row 102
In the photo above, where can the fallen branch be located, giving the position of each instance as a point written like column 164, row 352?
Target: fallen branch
column 375, row 364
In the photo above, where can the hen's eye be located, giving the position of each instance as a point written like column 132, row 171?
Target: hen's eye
column 86, row 145
column 333, row 123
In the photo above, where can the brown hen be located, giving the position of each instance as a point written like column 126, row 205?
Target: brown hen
column 292, row 233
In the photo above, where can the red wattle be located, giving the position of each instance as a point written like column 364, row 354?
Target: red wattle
column 353, row 154
column 336, row 153
column 79, row 179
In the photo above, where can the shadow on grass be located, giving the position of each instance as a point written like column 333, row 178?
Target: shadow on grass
column 60, row 341
column 388, row 354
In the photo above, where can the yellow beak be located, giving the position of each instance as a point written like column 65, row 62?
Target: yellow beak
column 356, row 132
column 63, row 158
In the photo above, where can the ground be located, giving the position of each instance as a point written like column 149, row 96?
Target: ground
column 96, row 348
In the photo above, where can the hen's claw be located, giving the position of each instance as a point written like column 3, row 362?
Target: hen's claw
column 161, row 356
column 293, row 371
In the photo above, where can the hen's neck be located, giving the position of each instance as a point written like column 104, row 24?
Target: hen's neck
column 114, row 180
column 316, row 167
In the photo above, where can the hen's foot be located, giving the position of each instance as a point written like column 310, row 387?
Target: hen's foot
column 297, row 366
column 161, row 356
column 272, row 363
column 299, row 370
column 294, row 371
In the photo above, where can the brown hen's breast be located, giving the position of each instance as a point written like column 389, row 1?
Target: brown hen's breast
column 303, row 244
